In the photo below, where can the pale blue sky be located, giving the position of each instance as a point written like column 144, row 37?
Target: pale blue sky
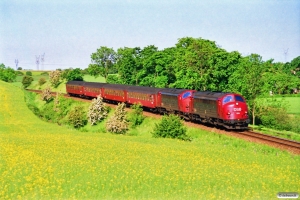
column 68, row 31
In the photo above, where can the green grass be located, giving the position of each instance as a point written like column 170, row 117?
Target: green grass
column 39, row 160
column 90, row 78
column 36, row 75
column 293, row 104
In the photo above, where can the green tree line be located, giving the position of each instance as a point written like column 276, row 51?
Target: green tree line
column 200, row 64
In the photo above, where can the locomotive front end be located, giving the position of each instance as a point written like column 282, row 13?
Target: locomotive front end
column 234, row 111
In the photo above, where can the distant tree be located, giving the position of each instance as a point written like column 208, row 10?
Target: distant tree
column 19, row 68
column 65, row 72
column 191, row 64
column 103, row 61
column 28, row 73
column 26, row 81
column 293, row 67
column 128, row 65
column 74, row 75
column 113, row 78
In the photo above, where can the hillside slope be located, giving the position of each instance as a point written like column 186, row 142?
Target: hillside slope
column 45, row 161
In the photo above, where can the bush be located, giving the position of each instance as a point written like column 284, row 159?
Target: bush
column 19, row 73
column 54, row 78
column 136, row 117
column 28, row 73
column 7, row 74
column 46, row 95
column 42, row 81
column 118, row 123
column 171, row 126
column 45, row 73
column 97, row 111
column 26, row 81
column 77, row 117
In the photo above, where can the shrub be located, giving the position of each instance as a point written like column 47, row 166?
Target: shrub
column 97, row 111
column 54, row 78
column 7, row 74
column 19, row 73
column 118, row 122
column 136, row 117
column 26, row 81
column 42, row 81
column 46, row 95
column 77, row 117
column 45, row 73
column 171, row 126
column 28, row 73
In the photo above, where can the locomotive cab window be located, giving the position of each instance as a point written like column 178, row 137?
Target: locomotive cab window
column 239, row 98
column 186, row 95
column 227, row 99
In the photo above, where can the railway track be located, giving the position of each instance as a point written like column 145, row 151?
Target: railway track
column 281, row 143
column 289, row 144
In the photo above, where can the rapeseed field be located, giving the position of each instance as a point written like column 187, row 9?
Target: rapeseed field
column 39, row 160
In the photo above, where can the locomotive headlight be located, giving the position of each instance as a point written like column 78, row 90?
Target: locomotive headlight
column 228, row 113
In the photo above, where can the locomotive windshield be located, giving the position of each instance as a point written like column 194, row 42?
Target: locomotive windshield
column 227, row 99
column 239, row 98
column 231, row 98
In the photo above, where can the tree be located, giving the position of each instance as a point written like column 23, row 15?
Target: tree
column 128, row 65
column 74, row 75
column 247, row 79
column 19, row 68
column 191, row 64
column 103, row 61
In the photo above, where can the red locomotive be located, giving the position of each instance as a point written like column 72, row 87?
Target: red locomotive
column 228, row 110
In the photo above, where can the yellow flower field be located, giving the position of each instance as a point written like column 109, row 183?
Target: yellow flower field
column 39, row 160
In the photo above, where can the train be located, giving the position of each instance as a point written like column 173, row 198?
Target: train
column 220, row 109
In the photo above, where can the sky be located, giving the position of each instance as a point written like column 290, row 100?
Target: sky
column 67, row 32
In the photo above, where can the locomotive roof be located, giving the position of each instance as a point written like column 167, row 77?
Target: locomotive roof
column 209, row 95
column 172, row 91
